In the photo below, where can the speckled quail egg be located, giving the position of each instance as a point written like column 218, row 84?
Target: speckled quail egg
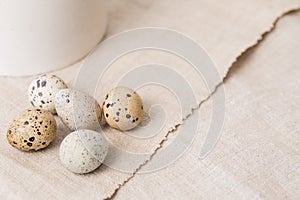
column 42, row 90
column 34, row 129
column 123, row 108
column 78, row 110
column 83, row 151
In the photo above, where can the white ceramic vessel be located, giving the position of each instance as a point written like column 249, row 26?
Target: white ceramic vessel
column 38, row 36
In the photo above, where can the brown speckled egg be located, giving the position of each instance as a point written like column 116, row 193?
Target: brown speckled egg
column 78, row 110
column 123, row 108
column 42, row 91
column 34, row 129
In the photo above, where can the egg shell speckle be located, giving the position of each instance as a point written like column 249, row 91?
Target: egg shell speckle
column 34, row 129
column 78, row 110
column 83, row 151
column 42, row 90
column 123, row 108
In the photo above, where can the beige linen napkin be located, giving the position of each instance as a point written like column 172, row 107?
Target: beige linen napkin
column 257, row 156
column 224, row 29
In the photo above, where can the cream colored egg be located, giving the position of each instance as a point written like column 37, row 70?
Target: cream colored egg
column 42, row 91
column 78, row 110
column 83, row 151
column 123, row 108
column 34, row 129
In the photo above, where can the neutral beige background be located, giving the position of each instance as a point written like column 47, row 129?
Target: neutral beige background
column 257, row 155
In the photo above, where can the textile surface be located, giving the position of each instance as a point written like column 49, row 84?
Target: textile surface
column 257, row 154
